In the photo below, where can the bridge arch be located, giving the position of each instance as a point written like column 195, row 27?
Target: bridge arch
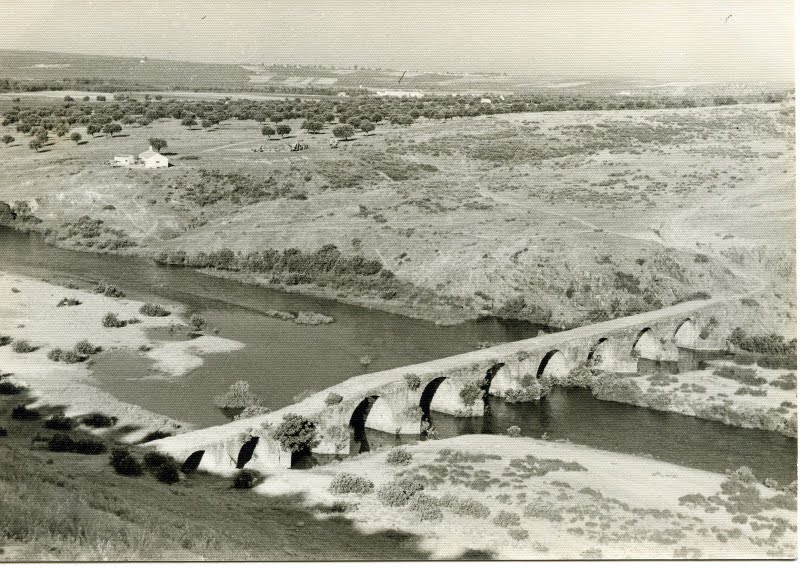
column 646, row 345
column 246, row 452
column 553, row 364
column 599, row 352
column 686, row 334
column 426, row 398
column 193, row 461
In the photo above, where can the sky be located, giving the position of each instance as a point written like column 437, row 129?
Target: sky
column 733, row 40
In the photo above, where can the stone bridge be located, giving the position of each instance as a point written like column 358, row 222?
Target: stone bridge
column 398, row 401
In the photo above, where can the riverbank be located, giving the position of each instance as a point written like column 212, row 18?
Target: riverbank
column 30, row 312
column 519, row 498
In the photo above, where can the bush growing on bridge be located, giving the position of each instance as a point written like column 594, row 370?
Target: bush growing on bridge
column 296, row 434
column 413, row 382
column 251, row 411
column 514, row 431
column 470, row 392
column 333, row 399
column 399, row 456
column 245, row 479
column 349, row 483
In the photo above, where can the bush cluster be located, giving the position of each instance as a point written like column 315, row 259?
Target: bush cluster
column 470, row 392
column 22, row 346
column 125, row 463
column 3, row 432
column 99, row 420
column 9, row 388
column 349, row 483
column 59, row 422
column 785, row 382
column 397, row 493
column 745, row 376
column 399, row 456
column 153, row 310
column 518, row 534
column 111, row 320
column 506, row 519
column 245, row 479
column 109, row 290
column 426, row 507
column 22, row 412
column 465, row 506
column 162, row 466
column 152, row 436
column 85, row 348
column 65, row 443
column 68, row 302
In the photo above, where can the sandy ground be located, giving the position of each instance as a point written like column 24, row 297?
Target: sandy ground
column 30, row 313
column 618, row 507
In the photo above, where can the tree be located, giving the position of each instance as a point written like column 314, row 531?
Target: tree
column 7, row 139
column 75, row 137
column 112, row 128
column 157, row 143
column 61, row 130
column 35, row 144
column 344, row 131
column 93, row 129
column 267, row 131
column 296, row 434
column 312, row 126
column 188, row 121
column 283, row 130
column 366, row 126
column 101, row 98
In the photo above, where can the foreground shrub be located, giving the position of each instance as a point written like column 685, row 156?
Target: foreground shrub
column 22, row 412
column 426, row 507
column 333, row 399
column 399, row 456
column 296, row 434
column 9, row 388
column 85, row 348
column 111, row 320
column 153, row 310
column 55, row 354
column 168, row 474
column 506, row 519
column 349, row 483
column 65, row 443
column 465, row 506
column 99, row 420
column 155, row 460
column 399, row 492
column 124, row 463
column 59, row 422
column 22, row 346
column 245, row 479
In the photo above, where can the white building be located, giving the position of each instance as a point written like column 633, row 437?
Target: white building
column 152, row 159
column 401, row 94
column 126, row 161
column 486, row 101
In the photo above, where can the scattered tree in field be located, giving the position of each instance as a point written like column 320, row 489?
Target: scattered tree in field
column 75, row 137
column 344, row 131
column 35, row 144
column 7, row 139
column 267, row 131
column 93, row 129
column 157, row 143
column 101, row 98
column 312, row 126
column 367, row 126
column 68, row 99
column 61, row 130
column 283, row 130
column 189, row 122
column 112, row 128
column 276, row 118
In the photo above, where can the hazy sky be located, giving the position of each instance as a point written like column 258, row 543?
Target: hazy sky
column 667, row 39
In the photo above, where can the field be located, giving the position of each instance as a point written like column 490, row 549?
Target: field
column 560, row 217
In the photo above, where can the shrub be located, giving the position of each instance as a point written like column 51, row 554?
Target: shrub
column 465, row 506
column 399, row 456
column 111, row 320
column 333, row 399
column 518, row 534
column 124, row 463
column 59, row 422
column 506, row 519
column 168, row 473
column 10, row 388
column 514, row 431
column 152, row 436
column 744, row 376
column 543, row 510
column 89, row 446
column 70, row 357
column 398, row 492
column 743, row 391
column 4, row 340
column 785, row 382
column 68, row 302
column 99, row 420
column 349, row 483
column 296, row 434
column 153, row 310
column 470, row 393
column 109, row 290
column 85, row 348
column 744, row 359
column 252, row 410
column 153, row 461
column 413, row 382
column 55, row 354
column 61, row 443
column 22, row 346
column 197, row 321
column 245, row 479
column 22, row 412
column 238, row 396
column 426, row 507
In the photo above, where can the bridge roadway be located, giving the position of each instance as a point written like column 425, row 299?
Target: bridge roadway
column 396, row 400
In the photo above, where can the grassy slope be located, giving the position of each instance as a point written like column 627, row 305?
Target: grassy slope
column 661, row 186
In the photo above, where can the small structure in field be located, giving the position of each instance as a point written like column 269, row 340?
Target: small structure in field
column 152, row 159
column 125, row 161
column 486, row 101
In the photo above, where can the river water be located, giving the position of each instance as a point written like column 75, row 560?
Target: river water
column 282, row 359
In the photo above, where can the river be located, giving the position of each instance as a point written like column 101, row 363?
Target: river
column 282, row 359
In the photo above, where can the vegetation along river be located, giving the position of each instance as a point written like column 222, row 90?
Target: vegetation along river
column 282, row 359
